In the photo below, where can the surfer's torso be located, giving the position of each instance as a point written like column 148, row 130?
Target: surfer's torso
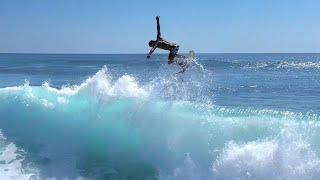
column 165, row 45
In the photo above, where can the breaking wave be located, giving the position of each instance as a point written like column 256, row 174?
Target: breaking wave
column 167, row 128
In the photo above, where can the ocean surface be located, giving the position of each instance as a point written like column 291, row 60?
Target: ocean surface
column 229, row 116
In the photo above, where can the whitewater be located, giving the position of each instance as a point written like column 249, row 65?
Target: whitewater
column 247, row 116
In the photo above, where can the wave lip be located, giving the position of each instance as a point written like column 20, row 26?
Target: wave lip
column 101, row 83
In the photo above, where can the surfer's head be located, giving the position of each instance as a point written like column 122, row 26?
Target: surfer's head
column 152, row 43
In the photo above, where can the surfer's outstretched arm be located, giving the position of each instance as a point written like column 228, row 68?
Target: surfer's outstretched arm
column 158, row 28
column 152, row 49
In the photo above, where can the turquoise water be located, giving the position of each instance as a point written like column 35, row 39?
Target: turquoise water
column 232, row 116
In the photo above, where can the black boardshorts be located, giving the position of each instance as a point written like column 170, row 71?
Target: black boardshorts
column 173, row 54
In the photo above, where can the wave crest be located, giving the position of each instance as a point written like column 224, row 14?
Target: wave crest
column 101, row 83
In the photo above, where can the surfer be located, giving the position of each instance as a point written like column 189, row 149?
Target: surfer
column 165, row 45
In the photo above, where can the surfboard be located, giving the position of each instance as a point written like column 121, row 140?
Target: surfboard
column 187, row 61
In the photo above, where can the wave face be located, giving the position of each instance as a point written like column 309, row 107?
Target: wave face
column 167, row 128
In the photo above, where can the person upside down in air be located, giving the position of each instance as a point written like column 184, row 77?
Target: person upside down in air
column 165, row 45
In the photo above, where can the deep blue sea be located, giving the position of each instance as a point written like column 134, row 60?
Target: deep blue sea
column 229, row 116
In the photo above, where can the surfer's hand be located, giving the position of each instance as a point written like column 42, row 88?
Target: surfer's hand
column 157, row 17
column 148, row 57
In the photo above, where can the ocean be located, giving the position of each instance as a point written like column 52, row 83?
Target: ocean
column 229, row 116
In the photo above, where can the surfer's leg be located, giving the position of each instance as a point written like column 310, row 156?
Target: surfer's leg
column 175, row 51
column 171, row 58
column 173, row 54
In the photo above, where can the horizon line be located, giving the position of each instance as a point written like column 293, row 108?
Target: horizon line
column 72, row 53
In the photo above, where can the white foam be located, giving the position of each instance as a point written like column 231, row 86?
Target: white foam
column 62, row 100
column 128, row 87
column 15, row 89
column 46, row 103
column 299, row 65
column 188, row 170
column 289, row 157
column 11, row 159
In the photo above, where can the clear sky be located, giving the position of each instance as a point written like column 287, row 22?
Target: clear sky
column 126, row 26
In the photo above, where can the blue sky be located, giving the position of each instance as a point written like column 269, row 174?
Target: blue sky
column 125, row 26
